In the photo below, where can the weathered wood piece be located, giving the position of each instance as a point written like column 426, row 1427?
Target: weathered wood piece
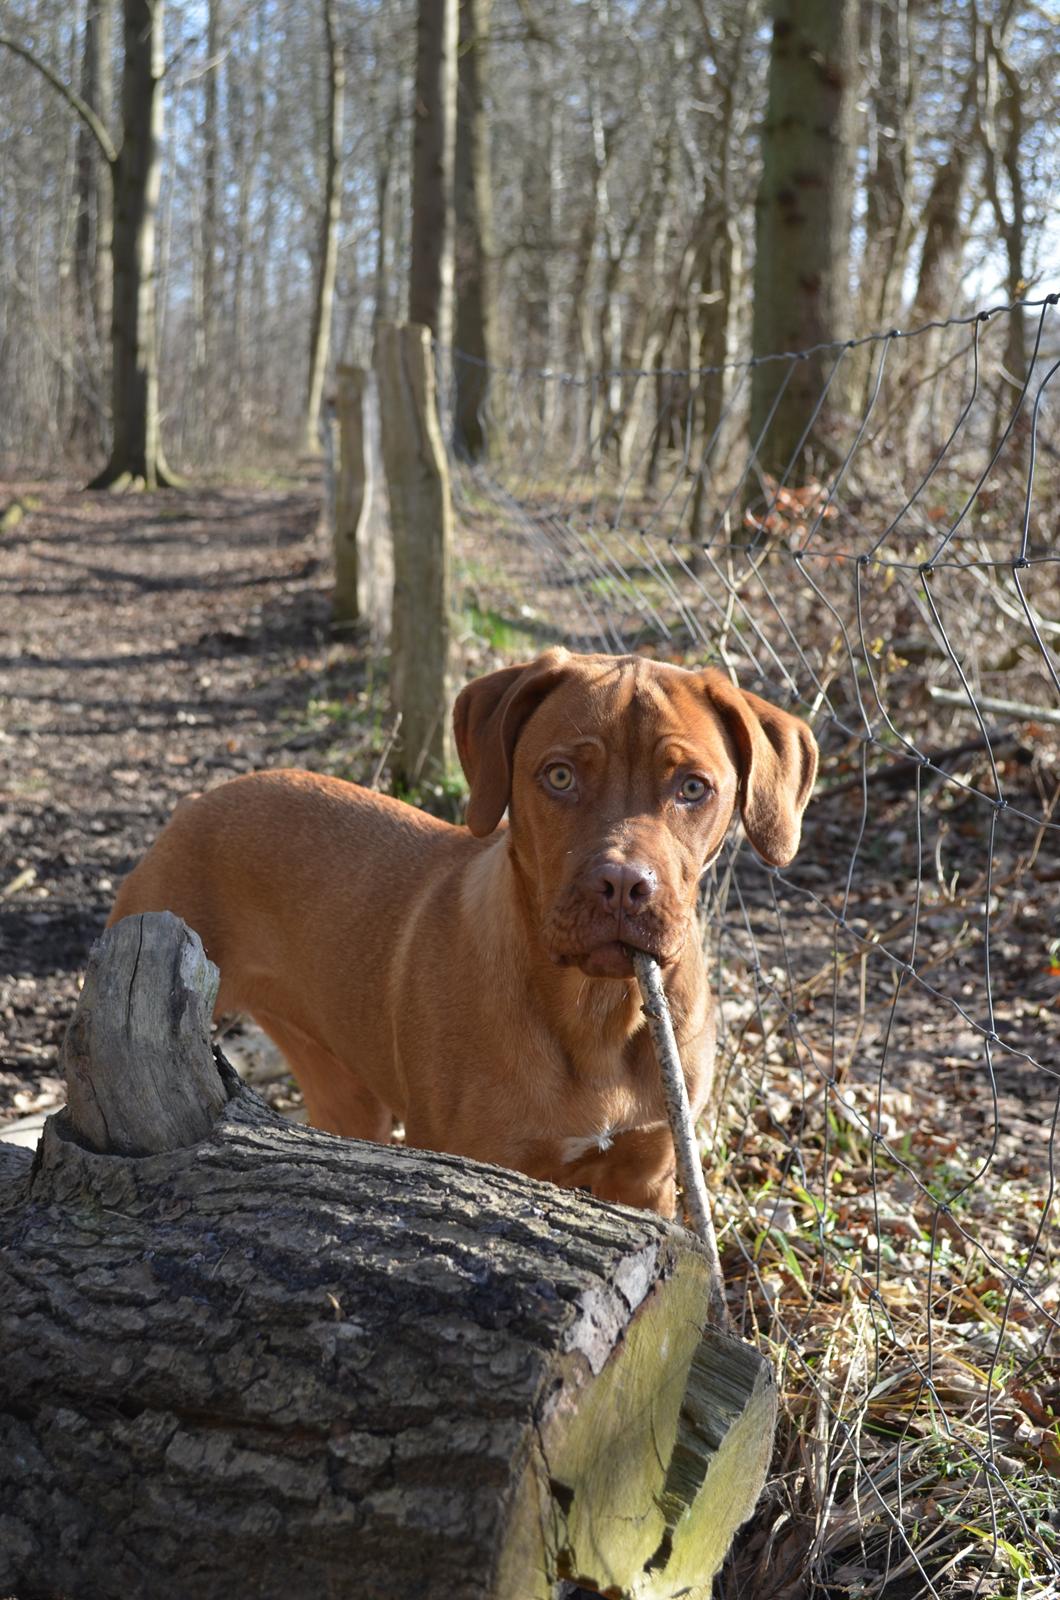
column 284, row 1364
column 140, row 1074
column 421, row 519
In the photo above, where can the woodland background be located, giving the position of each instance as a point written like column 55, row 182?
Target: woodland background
column 626, row 178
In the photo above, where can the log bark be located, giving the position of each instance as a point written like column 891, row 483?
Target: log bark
column 139, row 1073
column 279, row 1363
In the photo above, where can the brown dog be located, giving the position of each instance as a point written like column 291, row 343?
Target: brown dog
column 474, row 982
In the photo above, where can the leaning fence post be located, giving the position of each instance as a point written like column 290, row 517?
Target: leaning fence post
column 421, row 517
column 353, row 495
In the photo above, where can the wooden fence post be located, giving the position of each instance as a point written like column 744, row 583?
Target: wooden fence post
column 421, row 519
column 353, row 495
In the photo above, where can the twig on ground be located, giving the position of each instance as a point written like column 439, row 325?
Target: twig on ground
column 384, row 754
column 903, row 774
column 997, row 708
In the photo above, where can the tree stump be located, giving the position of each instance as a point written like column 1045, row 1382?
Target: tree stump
column 263, row 1360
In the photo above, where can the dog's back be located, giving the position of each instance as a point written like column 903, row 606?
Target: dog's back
column 224, row 863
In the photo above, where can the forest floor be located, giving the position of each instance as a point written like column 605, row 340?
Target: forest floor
column 152, row 647
column 156, row 646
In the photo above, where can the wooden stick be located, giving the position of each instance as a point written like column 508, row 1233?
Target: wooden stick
column 902, row 775
column 679, row 1113
column 997, row 708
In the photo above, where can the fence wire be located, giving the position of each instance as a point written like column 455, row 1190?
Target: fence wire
column 883, row 1156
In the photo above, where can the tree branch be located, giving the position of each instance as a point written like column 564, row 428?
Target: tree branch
column 72, row 98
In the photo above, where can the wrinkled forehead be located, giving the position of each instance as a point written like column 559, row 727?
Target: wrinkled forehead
column 626, row 702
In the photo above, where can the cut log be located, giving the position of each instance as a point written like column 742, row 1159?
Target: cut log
column 273, row 1362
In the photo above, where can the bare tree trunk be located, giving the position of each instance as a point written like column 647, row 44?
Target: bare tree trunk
column 207, row 351
column 136, row 454
column 421, row 526
column 1001, row 129
column 892, row 151
column 475, row 315
column 803, row 213
column 938, row 271
column 353, row 495
column 92, row 240
column 329, row 234
column 433, row 150
column 384, row 221
column 718, row 276
column 942, row 221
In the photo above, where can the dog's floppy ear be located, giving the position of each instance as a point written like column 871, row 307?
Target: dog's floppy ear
column 777, row 761
column 487, row 718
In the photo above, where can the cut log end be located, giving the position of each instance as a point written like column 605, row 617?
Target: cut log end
column 139, row 1068
column 640, row 1488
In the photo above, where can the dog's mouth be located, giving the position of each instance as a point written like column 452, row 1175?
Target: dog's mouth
column 612, row 959
column 581, row 932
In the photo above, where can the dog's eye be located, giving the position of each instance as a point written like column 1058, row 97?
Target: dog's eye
column 693, row 789
column 560, row 777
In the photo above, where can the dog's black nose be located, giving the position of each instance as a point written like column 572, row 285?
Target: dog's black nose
column 625, row 886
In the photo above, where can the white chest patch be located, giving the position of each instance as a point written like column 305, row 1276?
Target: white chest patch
column 572, row 1150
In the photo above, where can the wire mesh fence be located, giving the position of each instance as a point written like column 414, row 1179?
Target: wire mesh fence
column 883, row 1154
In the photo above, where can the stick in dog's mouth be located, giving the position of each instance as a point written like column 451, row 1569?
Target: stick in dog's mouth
column 679, row 1114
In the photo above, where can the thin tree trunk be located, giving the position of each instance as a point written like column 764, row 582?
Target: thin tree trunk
column 942, row 221
column 92, row 241
column 1001, row 128
column 421, row 525
column 136, row 453
column 433, row 150
column 888, row 182
column 803, row 213
column 944, row 229
column 209, row 198
column 329, row 234
column 474, row 228
column 384, row 222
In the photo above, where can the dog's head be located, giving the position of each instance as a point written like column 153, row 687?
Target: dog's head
column 620, row 777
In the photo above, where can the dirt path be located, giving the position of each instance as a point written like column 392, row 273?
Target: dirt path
column 150, row 646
